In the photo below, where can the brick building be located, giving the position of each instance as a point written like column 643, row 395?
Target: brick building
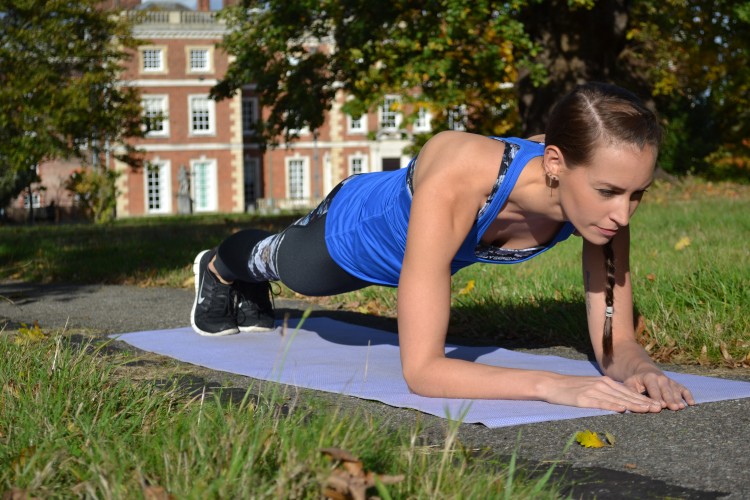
column 201, row 154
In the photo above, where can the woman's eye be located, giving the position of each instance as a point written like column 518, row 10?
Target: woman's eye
column 606, row 193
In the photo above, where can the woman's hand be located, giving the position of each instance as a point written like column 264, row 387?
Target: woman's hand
column 661, row 388
column 598, row 392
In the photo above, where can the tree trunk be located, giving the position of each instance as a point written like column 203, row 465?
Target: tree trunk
column 577, row 46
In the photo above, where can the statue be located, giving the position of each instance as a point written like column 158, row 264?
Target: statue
column 184, row 203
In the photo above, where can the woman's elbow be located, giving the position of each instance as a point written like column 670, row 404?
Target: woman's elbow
column 418, row 382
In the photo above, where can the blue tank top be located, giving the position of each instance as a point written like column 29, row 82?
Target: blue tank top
column 368, row 218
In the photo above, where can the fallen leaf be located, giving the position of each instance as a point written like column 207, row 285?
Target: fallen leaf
column 631, row 466
column 651, row 277
column 724, row 353
column 156, row 493
column 467, row 289
column 610, row 438
column 349, row 480
column 703, row 358
column 589, row 439
column 682, row 243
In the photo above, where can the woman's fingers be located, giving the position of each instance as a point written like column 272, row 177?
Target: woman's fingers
column 603, row 393
column 671, row 394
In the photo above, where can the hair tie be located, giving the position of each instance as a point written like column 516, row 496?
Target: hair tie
column 609, row 311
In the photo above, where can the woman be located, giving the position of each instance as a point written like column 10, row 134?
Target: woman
column 468, row 199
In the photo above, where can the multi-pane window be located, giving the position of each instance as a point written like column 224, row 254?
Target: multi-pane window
column 200, row 60
column 204, row 185
column 249, row 114
column 390, row 118
column 457, row 118
column 153, row 59
column 296, row 178
column 357, row 165
column 251, row 171
column 422, row 122
column 34, row 202
column 201, row 115
column 155, row 112
column 357, row 125
column 157, row 188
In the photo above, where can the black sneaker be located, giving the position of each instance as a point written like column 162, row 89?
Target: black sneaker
column 213, row 310
column 254, row 307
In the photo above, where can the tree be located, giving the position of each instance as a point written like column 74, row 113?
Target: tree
column 507, row 62
column 437, row 54
column 694, row 54
column 60, row 62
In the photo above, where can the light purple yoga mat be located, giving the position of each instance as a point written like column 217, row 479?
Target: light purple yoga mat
column 338, row 357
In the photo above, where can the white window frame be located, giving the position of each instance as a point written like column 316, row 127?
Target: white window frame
column 423, row 122
column 211, row 108
column 356, row 125
column 457, row 118
column 162, row 169
column 304, row 163
column 36, row 200
column 363, row 164
column 211, row 203
column 208, row 68
column 389, row 119
column 163, row 108
column 249, row 115
column 148, row 49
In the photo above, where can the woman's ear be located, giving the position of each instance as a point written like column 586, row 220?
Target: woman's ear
column 554, row 162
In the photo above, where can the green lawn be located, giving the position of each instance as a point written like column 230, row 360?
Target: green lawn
column 693, row 297
column 74, row 422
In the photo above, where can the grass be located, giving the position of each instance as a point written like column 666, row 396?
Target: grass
column 693, row 297
column 72, row 423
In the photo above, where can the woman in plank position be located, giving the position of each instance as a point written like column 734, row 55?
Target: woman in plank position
column 465, row 199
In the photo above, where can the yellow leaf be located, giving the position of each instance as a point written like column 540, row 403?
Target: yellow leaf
column 589, row 439
column 467, row 289
column 683, row 243
column 610, row 438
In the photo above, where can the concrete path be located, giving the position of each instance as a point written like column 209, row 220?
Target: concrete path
column 701, row 452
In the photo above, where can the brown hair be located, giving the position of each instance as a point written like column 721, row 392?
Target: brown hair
column 591, row 115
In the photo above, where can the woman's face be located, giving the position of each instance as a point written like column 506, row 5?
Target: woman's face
column 599, row 198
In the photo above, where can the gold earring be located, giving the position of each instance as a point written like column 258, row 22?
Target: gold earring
column 551, row 181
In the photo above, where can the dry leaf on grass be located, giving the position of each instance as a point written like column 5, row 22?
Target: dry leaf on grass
column 467, row 289
column 350, row 480
column 156, row 493
column 682, row 243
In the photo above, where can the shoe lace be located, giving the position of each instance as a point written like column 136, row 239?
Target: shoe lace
column 241, row 296
column 223, row 297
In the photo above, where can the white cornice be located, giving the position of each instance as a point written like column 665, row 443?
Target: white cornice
column 167, row 33
column 207, row 82
column 149, row 148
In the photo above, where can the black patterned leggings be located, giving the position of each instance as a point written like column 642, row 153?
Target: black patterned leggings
column 302, row 260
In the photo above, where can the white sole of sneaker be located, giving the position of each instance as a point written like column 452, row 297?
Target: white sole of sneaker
column 196, row 271
column 248, row 329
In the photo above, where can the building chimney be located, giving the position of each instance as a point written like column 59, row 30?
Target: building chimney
column 204, row 5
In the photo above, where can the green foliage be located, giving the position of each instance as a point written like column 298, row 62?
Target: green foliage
column 507, row 63
column 78, row 422
column 438, row 55
column 60, row 62
column 694, row 55
column 12, row 182
column 96, row 190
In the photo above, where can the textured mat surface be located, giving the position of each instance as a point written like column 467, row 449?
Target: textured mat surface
column 338, row 357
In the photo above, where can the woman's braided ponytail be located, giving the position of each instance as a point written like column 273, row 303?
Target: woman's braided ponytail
column 609, row 298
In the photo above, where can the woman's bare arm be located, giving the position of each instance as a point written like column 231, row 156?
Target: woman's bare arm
column 630, row 363
column 450, row 190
